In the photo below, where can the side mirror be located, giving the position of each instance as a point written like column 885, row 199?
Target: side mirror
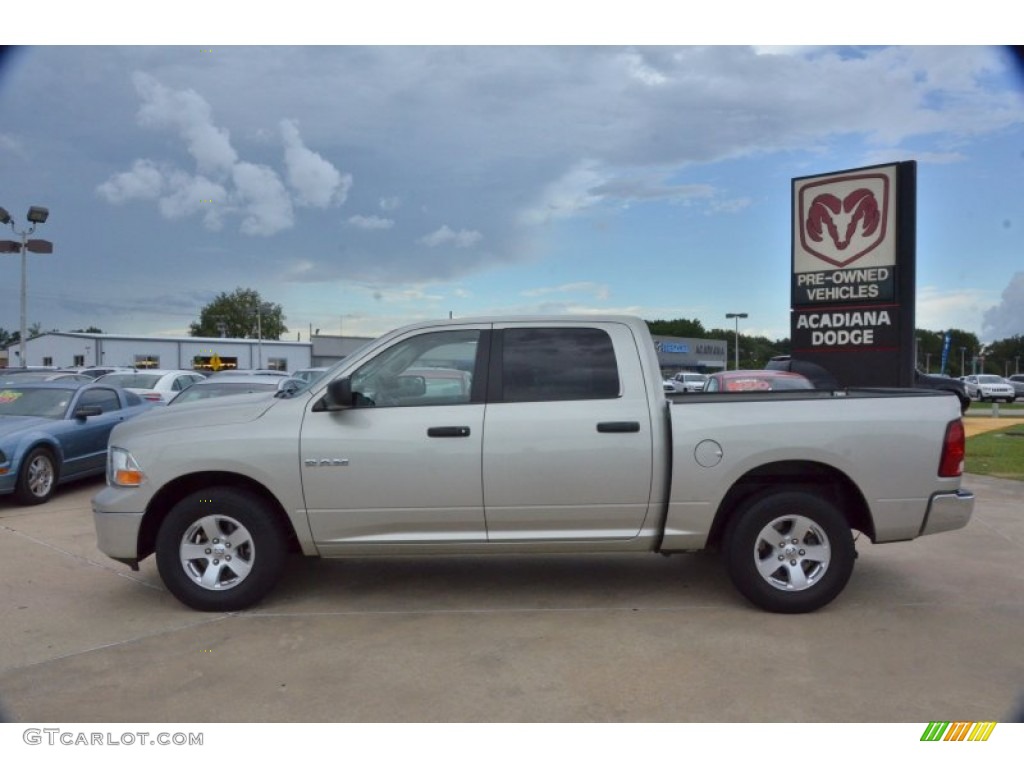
column 290, row 385
column 338, row 396
column 85, row 411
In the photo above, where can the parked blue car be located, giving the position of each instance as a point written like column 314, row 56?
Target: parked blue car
column 57, row 431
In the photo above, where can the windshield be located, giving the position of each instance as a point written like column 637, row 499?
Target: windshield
column 24, row 377
column 132, row 380
column 23, row 401
column 990, row 380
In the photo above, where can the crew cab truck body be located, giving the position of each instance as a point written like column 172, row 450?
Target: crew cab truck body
column 562, row 442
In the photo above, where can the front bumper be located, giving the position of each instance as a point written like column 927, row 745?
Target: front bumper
column 117, row 534
column 996, row 395
column 948, row 512
column 117, row 523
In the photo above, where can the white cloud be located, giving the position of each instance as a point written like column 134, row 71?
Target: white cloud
column 639, row 69
column 411, row 293
column 266, row 206
column 939, row 310
column 191, row 116
column 194, row 194
column 316, row 181
column 896, row 154
column 389, row 203
column 464, row 238
column 568, row 195
column 10, row 144
column 223, row 185
column 734, row 205
column 597, row 290
column 370, row 222
column 1007, row 317
column 143, row 182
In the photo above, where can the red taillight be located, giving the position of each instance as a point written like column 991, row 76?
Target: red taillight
column 953, row 448
column 153, row 397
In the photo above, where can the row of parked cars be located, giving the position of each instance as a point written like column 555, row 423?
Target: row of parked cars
column 55, row 424
column 982, row 387
column 737, row 381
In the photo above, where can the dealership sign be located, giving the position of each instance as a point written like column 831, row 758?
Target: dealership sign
column 853, row 273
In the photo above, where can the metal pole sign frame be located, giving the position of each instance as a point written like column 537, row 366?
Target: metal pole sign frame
column 854, row 253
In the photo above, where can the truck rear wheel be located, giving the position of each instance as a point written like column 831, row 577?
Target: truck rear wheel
column 789, row 551
column 220, row 549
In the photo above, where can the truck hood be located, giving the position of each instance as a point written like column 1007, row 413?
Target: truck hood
column 202, row 414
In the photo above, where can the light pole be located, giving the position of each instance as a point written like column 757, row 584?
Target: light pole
column 261, row 307
column 963, row 363
column 36, row 215
column 736, row 316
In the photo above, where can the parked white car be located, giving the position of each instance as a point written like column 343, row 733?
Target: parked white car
column 154, row 385
column 688, row 382
column 987, row 386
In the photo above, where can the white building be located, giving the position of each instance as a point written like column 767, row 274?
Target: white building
column 66, row 350
column 701, row 355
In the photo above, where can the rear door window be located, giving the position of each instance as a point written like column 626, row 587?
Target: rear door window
column 545, row 364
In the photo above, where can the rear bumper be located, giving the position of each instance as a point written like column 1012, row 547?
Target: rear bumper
column 948, row 512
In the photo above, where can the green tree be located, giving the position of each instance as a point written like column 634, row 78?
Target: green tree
column 90, row 329
column 682, row 328
column 963, row 347
column 755, row 351
column 235, row 314
column 1005, row 357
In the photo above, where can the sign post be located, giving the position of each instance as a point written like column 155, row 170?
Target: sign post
column 853, row 274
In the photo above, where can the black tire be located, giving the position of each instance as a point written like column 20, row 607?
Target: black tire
column 811, row 537
column 37, row 477
column 221, row 549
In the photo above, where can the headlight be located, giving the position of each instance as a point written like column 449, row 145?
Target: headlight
column 122, row 468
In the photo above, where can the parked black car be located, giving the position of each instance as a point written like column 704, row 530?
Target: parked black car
column 930, row 381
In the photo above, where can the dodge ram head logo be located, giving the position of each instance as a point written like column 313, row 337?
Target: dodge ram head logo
column 844, row 218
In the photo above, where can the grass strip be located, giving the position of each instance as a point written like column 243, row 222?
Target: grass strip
column 999, row 453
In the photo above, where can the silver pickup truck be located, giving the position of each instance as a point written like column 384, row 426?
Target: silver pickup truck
column 536, row 434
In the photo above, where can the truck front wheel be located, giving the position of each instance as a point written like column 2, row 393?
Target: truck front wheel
column 220, row 549
column 789, row 551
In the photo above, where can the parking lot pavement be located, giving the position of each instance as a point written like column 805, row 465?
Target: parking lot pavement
column 927, row 630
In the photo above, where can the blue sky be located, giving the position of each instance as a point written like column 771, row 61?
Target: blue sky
column 363, row 187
